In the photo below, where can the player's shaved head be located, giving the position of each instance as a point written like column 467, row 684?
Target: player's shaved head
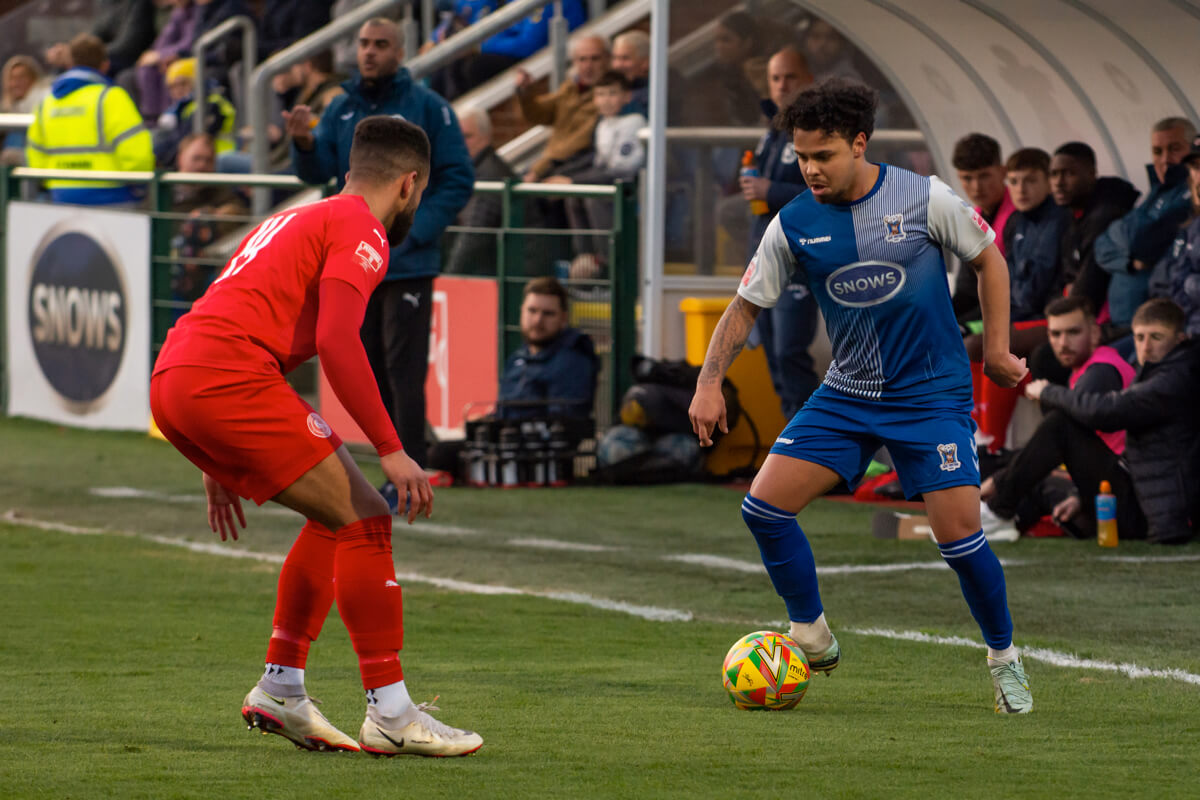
column 386, row 148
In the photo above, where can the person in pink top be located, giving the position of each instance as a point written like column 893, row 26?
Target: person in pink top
column 1090, row 456
column 981, row 172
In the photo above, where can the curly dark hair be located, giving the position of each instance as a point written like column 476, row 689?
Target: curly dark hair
column 976, row 151
column 835, row 106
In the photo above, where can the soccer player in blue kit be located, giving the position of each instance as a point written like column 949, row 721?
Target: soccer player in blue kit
column 867, row 239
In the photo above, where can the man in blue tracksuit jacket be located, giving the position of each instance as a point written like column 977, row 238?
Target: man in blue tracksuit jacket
column 787, row 330
column 396, row 328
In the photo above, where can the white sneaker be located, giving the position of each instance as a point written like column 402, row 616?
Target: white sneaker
column 996, row 529
column 415, row 733
column 296, row 719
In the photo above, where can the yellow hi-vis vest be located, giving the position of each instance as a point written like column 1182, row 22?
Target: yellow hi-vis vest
column 225, row 140
column 95, row 127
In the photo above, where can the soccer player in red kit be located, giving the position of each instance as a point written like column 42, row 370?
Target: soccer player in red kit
column 297, row 287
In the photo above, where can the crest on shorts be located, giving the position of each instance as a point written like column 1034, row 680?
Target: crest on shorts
column 320, row 428
column 895, row 228
column 949, row 454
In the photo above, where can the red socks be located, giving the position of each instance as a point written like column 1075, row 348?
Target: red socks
column 304, row 596
column 369, row 598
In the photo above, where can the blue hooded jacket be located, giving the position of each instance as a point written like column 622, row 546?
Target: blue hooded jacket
column 1143, row 234
column 531, row 34
column 564, row 370
column 451, row 176
column 776, row 161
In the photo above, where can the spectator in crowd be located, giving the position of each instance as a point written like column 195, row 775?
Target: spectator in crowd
column 1094, row 203
column 22, row 88
column 981, row 172
column 1161, row 420
column 176, row 122
column 1090, row 456
column 828, row 53
column 733, row 83
column 554, row 370
column 203, row 201
column 569, row 111
column 146, row 81
column 475, row 253
column 786, row 331
column 125, row 27
column 284, row 22
column 631, row 57
column 220, row 57
column 618, row 155
column 64, row 132
column 396, row 328
column 1031, row 240
column 1131, row 246
column 1177, row 274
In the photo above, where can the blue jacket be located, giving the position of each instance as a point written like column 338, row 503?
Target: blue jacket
column 776, row 161
column 1143, row 234
column 451, row 176
column 1031, row 240
column 531, row 34
column 1177, row 275
column 565, row 370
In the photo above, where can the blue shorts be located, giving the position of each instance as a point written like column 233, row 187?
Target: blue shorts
column 932, row 448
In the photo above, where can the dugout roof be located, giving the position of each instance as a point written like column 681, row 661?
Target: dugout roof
column 1034, row 72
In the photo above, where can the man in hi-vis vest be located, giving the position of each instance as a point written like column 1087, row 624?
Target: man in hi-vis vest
column 88, row 123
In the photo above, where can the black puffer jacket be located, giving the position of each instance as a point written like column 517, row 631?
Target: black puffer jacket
column 1111, row 200
column 1161, row 419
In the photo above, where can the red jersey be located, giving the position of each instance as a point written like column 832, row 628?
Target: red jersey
column 260, row 314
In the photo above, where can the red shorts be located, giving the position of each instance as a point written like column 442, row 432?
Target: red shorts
column 251, row 432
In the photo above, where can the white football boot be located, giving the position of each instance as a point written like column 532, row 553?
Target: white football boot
column 415, row 733
column 296, row 719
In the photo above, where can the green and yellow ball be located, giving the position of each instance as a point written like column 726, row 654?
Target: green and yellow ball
column 765, row 670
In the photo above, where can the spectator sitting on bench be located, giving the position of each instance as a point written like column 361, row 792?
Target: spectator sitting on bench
column 1090, row 456
column 553, row 373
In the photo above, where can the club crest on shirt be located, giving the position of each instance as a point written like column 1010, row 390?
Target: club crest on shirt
column 369, row 257
column 949, row 454
column 319, row 427
column 895, row 228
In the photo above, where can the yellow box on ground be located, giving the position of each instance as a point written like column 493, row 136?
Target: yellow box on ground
column 749, row 373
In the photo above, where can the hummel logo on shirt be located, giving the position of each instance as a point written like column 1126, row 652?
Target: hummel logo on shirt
column 816, row 240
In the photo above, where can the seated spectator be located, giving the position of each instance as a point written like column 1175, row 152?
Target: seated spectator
column 21, row 90
column 553, row 373
column 475, row 253
column 631, row 57
column 176, row 122
column 981, row 172
column 1094, row 204
column 1031, row 240
column 124, row 27
column 569, row 111
column 189, row 279
column 1177, row 274
column 64, row 132
column 733, row 83
column 1090, row 456
column 618, row 155
column 1161, row 420
column 1131, row 246
column 146, row 81
column 828, row 53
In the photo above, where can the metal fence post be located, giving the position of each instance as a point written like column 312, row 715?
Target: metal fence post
column 8, row 190
column 410, row 33
column 558, row 46
column 510, row 269
column 161, row 202
column 249, row 59
column 623, row 250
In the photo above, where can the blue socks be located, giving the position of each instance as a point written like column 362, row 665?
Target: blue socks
column 788, row 558
column 982, row 581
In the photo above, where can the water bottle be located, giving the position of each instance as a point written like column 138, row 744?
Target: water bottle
column 510, row 453
column 562, row 461
column 757, row 207
column 1106, row 516
column 476, row 455
column 533, row 440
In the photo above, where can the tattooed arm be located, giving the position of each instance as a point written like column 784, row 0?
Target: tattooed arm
column 708, row 404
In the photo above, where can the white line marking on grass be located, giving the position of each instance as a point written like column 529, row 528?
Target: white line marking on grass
column 717, row 562
column 555, row 544
column 1147, row 559
column 720, row 562
column 654, row 613
column 1054, row 657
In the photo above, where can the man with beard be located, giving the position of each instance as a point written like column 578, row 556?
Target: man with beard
column 396, row 327
column 298, row 287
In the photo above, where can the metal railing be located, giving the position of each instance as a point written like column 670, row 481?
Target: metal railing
column 249, row 59
column 606, row 305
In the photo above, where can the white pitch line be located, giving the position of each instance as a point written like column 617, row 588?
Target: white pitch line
column 717, row 562
column 721, row 562
column 555, row 544
column 654, row 613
